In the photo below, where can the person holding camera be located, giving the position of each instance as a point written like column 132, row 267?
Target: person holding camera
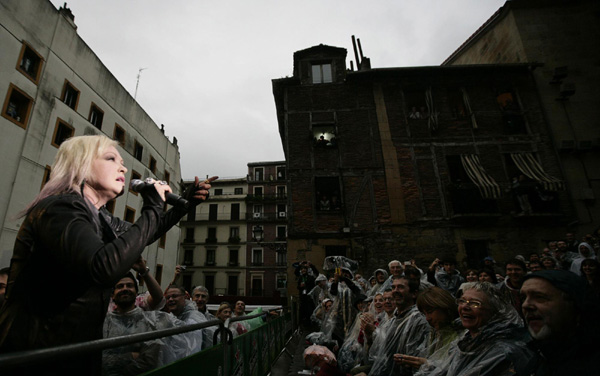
column 69, row 239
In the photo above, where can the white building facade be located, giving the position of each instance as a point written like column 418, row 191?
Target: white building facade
column 54, row 87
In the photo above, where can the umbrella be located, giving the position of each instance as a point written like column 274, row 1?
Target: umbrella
column 315, row 355
column 332, row 262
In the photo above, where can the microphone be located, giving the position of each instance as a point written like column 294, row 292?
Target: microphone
column 139, row 186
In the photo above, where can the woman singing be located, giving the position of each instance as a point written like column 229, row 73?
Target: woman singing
column 70, row 252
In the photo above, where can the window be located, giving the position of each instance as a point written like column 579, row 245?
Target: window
column 119, row 135
column 17, row 106
column 327, row 193
column 158, row 274
column 62, row 131
column 281, row 232
column 218, row 192
column 152, row 165
column 324, row 135
column 212, row 235
column 258, row 191
column 232, row 285
column 456, row 100
column 233, row 257
column 210, row 256
column 281, row 281
column 134, row 176
column 234, row 234
column 188, row 257
column 321, row 73
column 512, row 115
column 281, row 173
column 129, row 214
column 209, row 283
column 257, row 256
column 110, row 206
column 30, row 63
column 281, row 211
column 258, row 173
column 167, row 177
column 281, row 258
column 189, row 234
column 46, row 177
column 416, row 104
column 281, row 191
column 235, row 212
column 238, row 191
column 257, row 283
column 162, row 241
column 212, row 212
column 138, row 151
column 70, row 95
column 96, row 116
column 465, row 196
column 257, row 211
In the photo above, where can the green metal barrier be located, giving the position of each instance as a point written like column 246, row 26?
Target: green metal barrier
column 250, row 354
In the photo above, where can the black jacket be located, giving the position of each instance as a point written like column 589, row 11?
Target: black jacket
column 66, row 260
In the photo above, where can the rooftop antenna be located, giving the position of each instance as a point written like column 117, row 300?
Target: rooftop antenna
column 355, row 53
column 138, row 81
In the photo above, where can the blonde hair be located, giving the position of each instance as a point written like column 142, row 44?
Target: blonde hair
column 72, row 166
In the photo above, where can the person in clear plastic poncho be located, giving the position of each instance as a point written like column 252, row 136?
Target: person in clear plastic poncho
column 441, row 312
column 404, row 333
column 495, row 342
column 128, row 319
column 354, row 350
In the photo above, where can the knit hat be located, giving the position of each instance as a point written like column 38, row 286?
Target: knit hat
column 566, row 281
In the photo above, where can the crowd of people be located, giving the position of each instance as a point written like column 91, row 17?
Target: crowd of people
column 134, row 313
column 534, row 315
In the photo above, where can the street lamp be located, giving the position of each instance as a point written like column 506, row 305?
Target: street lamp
column 258, row 233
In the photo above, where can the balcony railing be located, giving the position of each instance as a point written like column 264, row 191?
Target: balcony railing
column 269, row 216
column 266, row 197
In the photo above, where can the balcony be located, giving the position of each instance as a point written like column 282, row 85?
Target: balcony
column 209, row 263
column 269, row 216
column 234, row 239
column 278, row 197
column 210, row 240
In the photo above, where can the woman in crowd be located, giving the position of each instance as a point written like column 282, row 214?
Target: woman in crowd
column 494, row 343
column 488, row 275
column 549, row 263
column 440, row 310
column 590, row 272
column 69, row 239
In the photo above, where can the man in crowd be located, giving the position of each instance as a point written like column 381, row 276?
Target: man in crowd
column 396, row 270
column 306, row 282
column 381, row 275
column 562, row 322
column 200, row 297
column 448, row 277
column 239, row 309
column 127, row 319
column 515, row 271
column 408, row 330
column 179, row 304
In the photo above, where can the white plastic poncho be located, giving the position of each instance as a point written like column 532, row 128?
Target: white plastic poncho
column 151, row 354
column 406, row 333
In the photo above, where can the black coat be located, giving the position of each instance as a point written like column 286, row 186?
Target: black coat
column 67, row 258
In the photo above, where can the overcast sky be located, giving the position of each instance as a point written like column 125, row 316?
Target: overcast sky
column 209, row 64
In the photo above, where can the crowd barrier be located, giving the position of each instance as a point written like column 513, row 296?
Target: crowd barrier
column 250, row 354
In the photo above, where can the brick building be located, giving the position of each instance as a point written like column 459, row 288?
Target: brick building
column 557, row 34
column 267, row 231
column 414, row 162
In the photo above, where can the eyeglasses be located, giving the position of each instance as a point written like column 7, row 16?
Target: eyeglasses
column 469, row 303
column 174, row 296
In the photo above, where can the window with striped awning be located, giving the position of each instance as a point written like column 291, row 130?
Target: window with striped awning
column 529, row 166
column 487, row 185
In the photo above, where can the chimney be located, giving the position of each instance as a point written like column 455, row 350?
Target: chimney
column 68, row 15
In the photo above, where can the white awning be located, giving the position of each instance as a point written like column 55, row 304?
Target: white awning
column 487, row 185
column 529, row 166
